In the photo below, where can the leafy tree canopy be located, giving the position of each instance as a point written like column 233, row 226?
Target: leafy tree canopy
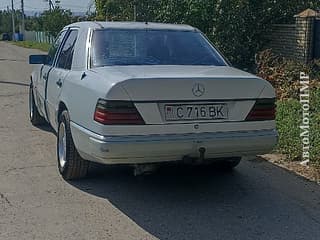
column 53, row 21
column 237, row 27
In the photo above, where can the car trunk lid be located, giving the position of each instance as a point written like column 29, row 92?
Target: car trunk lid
column 167, row 83
column 187, row 91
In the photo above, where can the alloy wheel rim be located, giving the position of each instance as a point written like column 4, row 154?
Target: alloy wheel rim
column 62, row 145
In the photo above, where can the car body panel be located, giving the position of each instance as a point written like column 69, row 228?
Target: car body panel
column 151, row 87
column 152, row 148
column 52, row 100
column 143, row 83
column 41, row 85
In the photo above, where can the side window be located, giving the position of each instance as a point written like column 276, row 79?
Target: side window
column 66, row 54
column 54, row 48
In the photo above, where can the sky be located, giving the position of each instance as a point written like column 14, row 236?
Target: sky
column 40, row 5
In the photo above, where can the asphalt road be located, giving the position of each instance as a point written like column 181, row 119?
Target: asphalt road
column 256, row 201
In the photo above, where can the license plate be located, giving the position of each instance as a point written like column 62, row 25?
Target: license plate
column 189, row 112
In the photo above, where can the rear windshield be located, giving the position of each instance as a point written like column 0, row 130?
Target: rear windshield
column 152, row 47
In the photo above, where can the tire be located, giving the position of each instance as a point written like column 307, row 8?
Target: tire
column 229, row 163
column 70, row 164
column 35, row 118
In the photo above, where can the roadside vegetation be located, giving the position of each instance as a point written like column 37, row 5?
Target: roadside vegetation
column 48, row 21
column 284, row 75
column 35, row 45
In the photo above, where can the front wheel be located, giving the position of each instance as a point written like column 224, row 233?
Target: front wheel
column 70, row 164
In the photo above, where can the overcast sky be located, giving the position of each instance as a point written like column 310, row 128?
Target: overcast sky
column 40, row 5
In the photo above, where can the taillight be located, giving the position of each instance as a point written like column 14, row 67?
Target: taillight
column 263, row 109
column 117, row 112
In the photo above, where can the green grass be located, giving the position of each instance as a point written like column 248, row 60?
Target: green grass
column 35, row 45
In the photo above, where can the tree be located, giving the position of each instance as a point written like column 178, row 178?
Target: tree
column 6, row 22
column 237, row 27
column 53, row 21
column 114, row 10
column 34, row 23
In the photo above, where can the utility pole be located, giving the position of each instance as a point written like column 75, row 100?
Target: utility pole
column 51, row 6
column 22, row 19
column 13, row 23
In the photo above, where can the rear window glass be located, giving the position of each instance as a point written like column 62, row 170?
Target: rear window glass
column 152, row 47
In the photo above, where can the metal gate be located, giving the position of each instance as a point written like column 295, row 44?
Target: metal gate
column 316, row 40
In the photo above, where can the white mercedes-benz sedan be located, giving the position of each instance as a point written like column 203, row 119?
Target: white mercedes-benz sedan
column 145, row 93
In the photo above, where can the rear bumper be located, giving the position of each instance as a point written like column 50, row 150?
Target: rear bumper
column 134, row 149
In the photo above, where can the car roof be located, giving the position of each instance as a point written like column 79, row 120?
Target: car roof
column 132, row 25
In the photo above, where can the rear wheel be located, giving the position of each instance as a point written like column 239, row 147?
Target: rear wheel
column 70, row 164
column 35, row 118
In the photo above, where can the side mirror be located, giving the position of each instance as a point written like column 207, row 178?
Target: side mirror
column 38, row 59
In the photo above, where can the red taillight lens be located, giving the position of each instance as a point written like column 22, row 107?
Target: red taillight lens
column 117, row 112
column 263, row 109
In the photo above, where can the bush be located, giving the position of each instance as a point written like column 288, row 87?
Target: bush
column 284, row 75
column 315, row 126
column 281, row 73
column 289, row 118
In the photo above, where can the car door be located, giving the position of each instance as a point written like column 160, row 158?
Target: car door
column 58, row 74
column 44, row 73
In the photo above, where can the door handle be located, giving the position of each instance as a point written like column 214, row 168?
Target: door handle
column 45, row 77
column 59, row 83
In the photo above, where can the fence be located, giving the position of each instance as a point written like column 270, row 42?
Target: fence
column 38, row 37
column 296, row 41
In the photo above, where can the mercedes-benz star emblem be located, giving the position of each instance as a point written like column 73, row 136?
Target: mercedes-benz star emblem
column 198, row 89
